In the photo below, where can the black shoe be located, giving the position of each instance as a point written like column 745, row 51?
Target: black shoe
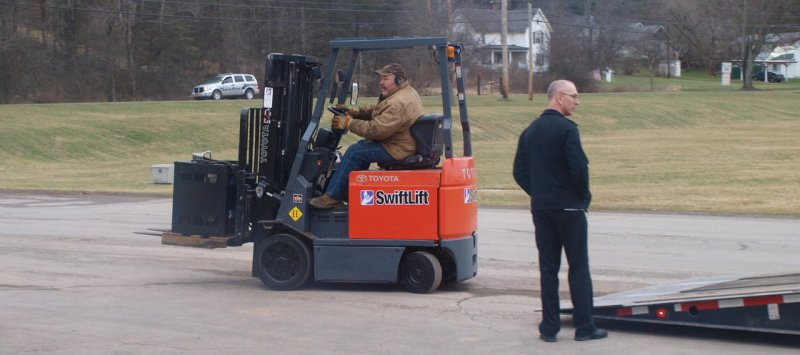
column 548, row 338
column 596, row 334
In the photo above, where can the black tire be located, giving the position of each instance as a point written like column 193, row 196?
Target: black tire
column 283, row 262
column 421, row 272
column 216, row 95
column 248, row 94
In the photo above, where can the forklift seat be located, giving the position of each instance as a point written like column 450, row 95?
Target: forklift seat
column 427, row 133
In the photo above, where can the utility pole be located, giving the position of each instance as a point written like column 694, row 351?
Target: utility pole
column 590, row 20
column 745, row 53
column 530, row 52
column 669, row 59
column 504, row 87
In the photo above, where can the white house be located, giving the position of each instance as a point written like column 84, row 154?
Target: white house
column 784, row 59
column 781, row 55
column 483, row 28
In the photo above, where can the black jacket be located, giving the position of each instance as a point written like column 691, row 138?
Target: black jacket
column 550, row 164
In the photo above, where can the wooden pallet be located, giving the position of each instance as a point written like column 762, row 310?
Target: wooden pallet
column 197, row 241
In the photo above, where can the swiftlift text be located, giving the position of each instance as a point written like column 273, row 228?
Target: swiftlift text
column 402, row 197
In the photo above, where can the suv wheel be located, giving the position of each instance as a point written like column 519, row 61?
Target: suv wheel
column 248, row 94
column 216, row 95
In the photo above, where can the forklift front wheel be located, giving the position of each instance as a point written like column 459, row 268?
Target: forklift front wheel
column 422, row 272
column 284, row 262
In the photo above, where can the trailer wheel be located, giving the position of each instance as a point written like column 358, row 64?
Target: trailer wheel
column 283, row 262
column 421, row 273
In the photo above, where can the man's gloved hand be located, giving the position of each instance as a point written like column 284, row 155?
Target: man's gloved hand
column 362, row 113
column 341, row 122
column 343, row 108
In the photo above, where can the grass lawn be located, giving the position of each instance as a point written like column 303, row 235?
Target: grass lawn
column 690, row 146
column 688, row 82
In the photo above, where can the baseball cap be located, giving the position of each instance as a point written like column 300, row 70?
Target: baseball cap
column 392, row 68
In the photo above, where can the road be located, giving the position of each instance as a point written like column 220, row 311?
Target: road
column 77, row 279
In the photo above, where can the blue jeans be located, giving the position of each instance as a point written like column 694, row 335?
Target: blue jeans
column 557, row 229
column 357, row 157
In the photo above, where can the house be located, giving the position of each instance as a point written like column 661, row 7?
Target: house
column 784, row 57
column 780, row 55
column 482, row 27
column 650, row 43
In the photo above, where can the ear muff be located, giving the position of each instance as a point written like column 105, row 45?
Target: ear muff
column 397, row 79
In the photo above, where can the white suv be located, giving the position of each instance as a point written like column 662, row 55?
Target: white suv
column 227, row 85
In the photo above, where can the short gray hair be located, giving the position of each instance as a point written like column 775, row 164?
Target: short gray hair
column 556, row 87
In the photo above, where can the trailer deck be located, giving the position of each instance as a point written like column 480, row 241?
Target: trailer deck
column 763, row 303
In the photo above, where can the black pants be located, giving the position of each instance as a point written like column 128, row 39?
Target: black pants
column 557, row 229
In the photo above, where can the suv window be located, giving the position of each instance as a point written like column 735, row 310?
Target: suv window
column 239, row 79
column 249, row 78
column 214, row 79
column 227, row 80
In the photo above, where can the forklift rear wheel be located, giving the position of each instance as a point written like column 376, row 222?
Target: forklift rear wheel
column 284, row 262
column 422, row 272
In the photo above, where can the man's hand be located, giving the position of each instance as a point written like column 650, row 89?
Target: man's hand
column 341, row 122
column 343, row 108
column 362, row 113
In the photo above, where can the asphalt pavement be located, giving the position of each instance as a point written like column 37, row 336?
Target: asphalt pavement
column 77, row 278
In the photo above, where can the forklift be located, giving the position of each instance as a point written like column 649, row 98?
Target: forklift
column 412, row 223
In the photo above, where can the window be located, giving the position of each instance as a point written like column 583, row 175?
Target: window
column 239, row 79
column 538, row 37
column 227, row 80
column 539, row 59
column 249, row 78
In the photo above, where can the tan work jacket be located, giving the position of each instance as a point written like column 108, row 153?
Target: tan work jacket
column 391, row 119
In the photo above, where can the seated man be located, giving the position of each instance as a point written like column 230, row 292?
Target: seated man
column 386, row 128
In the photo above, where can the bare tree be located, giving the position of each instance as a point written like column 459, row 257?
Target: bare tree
column 127, row 15
column 713, row 31
column 78, row 50
column 7, row 42
column 569, row 58
column 705, row 32
column 761, row 21
column 652, row 51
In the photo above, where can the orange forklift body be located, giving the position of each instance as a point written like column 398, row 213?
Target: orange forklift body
column 431, row 204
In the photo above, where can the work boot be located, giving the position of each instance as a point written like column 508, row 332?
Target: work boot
column 324, row 202
column 548, row 338
column 596, row 334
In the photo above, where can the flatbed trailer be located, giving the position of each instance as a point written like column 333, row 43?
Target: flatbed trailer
column 762, row 303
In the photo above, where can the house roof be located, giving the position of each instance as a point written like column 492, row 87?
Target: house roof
column 784, row 39
column 787, row 56
column 511, row 47
column 489, row 21
column 638, row 31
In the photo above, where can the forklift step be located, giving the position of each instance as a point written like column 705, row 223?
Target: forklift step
column 196, row 241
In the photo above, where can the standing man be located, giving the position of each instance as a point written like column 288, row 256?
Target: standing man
column 552, row 168
column 386, row 128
